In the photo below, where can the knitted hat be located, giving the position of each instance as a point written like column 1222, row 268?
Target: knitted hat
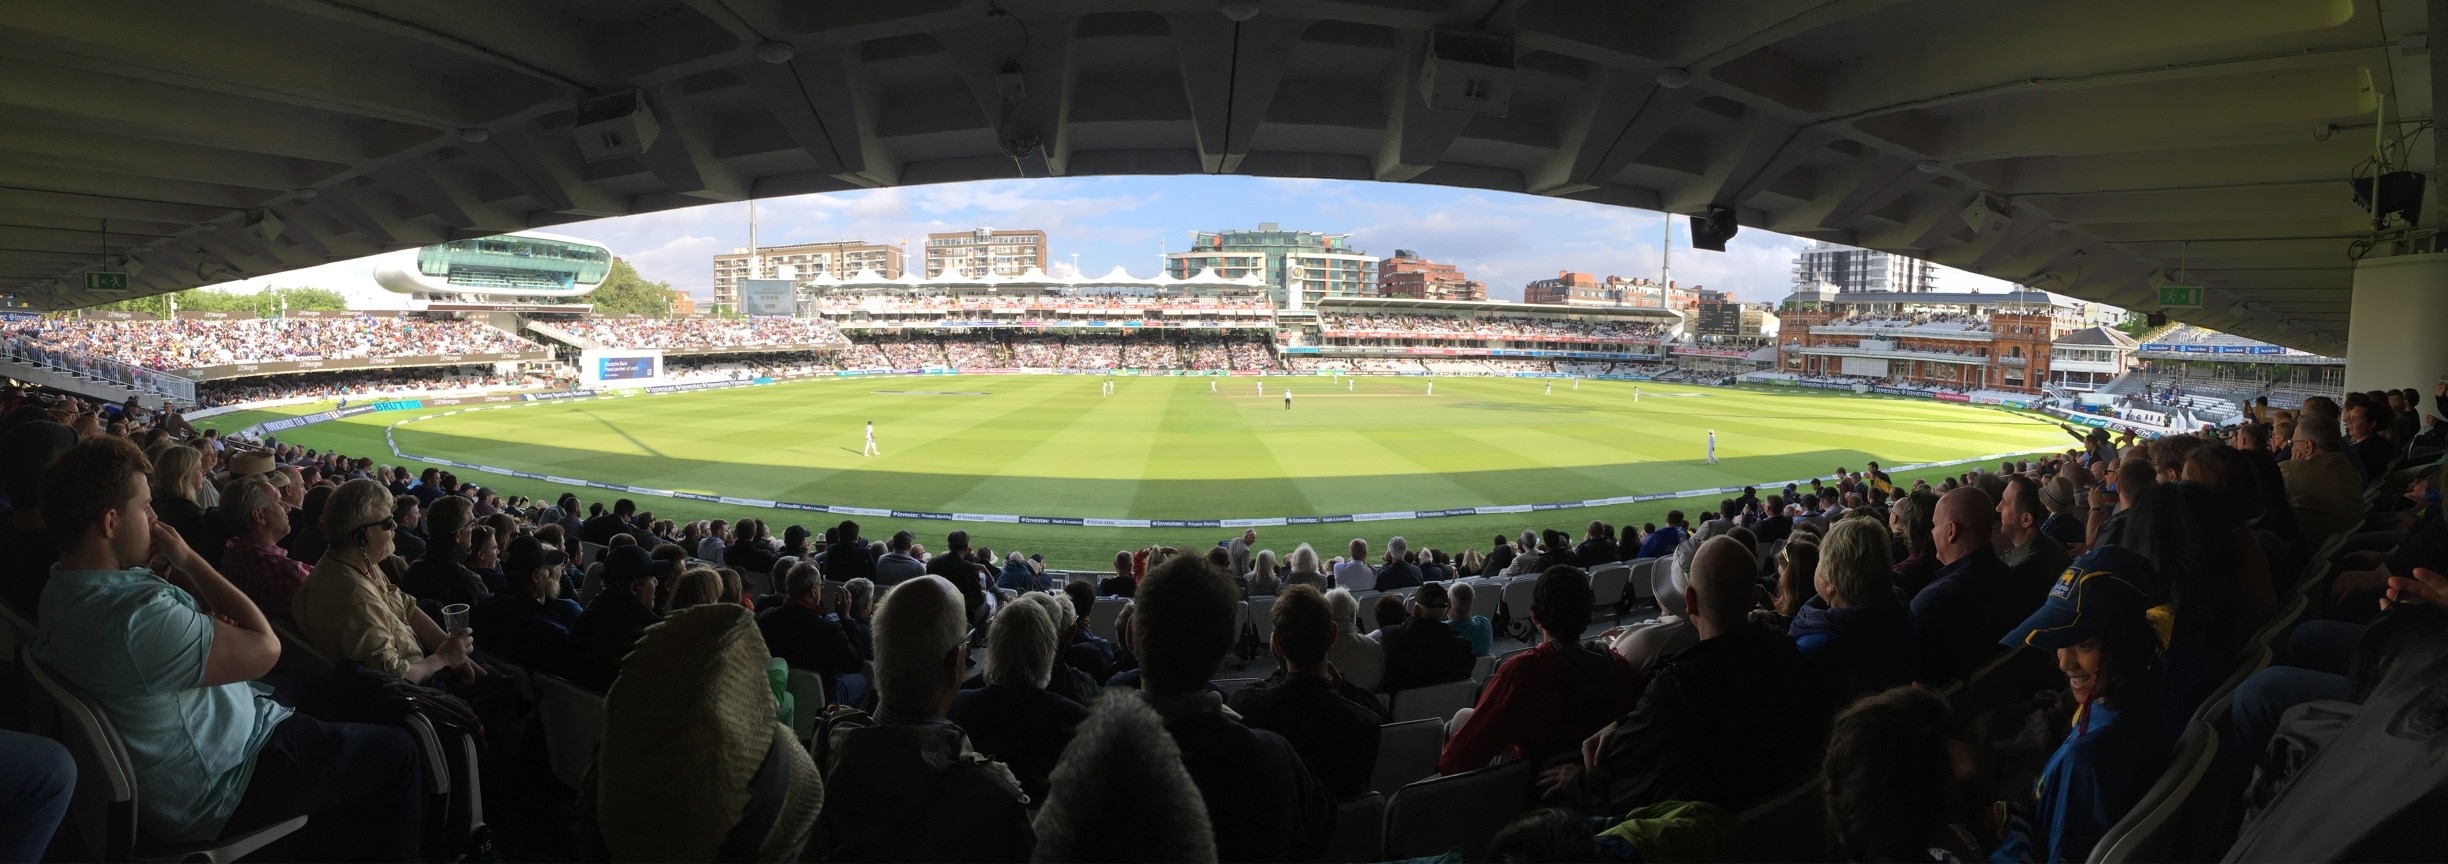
column 692, row 751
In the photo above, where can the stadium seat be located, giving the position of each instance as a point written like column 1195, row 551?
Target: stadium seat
column 807, row 701
column 1457, row 811
column 1483, row 668
column 1517, row 608
column 1636, row 583
column 299, row 656
column 104, row 806
column 1262, row 619
column 2285, row 620
column 573, row 725
column 1235, row 685
column 1607, row 587
column 1102, row 616
column 1435, row 701
column 589, row 553
column 1788, row 827
column 2162, row 827
column 15, row 633
column 1359, row 832
column 1406, row 752
column 2256, row 658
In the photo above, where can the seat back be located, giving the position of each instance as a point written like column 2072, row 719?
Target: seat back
column 589, row 553
column 1359, row 832
column 1789, row 827
column 2153, row 830
column 573, row 726
column 1483, row 668
column 1235, row 685
column 104, row 805
column 299, row 656
column 2285, row 620
column 807, row 701
column 1435, row 701
column 1103, row 614
column 1636, row 582
column 1406, row 752
column 1460, row 810
column 2256, row 658
column 1262, row 619
column 1517, row 606
column 1607, row 583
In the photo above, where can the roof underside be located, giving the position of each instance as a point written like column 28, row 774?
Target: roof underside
column 2130, row 138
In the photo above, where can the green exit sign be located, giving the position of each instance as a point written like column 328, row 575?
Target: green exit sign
column 99, row 281
column 2180, row 296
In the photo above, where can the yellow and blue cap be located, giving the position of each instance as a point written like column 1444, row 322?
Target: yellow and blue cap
column 2099, row 587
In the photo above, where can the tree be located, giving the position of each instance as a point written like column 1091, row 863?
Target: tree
column 265, row 303
column 624, row 292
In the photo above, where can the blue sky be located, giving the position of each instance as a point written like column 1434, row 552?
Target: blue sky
column 1502, row 239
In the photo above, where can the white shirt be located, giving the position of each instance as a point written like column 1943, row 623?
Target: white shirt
column 871, row 433
column 1355, row 575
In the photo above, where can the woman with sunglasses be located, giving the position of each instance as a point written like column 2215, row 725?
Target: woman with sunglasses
column 347, row 610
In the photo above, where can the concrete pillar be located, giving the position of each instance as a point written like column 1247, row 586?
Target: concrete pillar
column 2400, row 316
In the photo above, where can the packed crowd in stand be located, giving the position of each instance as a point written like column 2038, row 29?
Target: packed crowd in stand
column 188, row 344
column 376, row 382
column 1487, row 327
column 2050, row 635
column 689, row 334
column 984, row 350
column 895, row 303
column 1927, row 321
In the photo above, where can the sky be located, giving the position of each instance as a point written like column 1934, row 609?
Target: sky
column 1502, row 239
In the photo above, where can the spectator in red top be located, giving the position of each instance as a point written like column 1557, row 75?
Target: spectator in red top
column 256, row 519
column 1547, row 700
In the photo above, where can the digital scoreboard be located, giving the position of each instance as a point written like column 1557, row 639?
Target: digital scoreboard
column 626, row 368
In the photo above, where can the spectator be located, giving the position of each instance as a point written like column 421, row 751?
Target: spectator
column 2322, row 483
column 910, row 788
column 1389, row 613
column 966, row 576
column 795, row 544
column 1662, row 542
column 1858, row 631
column 1499, row 556
column 1324, row 718
column 35, row 791
column 252, row 558
column 1482, row 635
column 1911, row 523
column 1120, row 584
column 1732, row 721
column 2234, row 508
column 600, row 529
column 349, row 610
column 1595, row 547
column 178, row 476
column 1359, row 659
column 2095, row 621
column 858, row 619
column 1545, row 701
column 801, row 633
column 1400, row 570
column 1263, row 580
column 697, row 586
column 716, row 541
column 1977, row 596
column 747, row 556
column 2030, row 556
column 847, row 559
column 1423, row 650
column 897, row 565
column 1239, row 550
column 1304, row 569
column 1068, row 680
column 2370, row 452
column 612, row 624
column 528, row 622
column 1263, row 802
column 1013, row 720
column 2064, row 503
column 2190, row 561
column 1355, row 573
column 1122, row 762
column 1893, row 775
column 26, row 548
column 443, row 576
column 409, row 543
column 215, row 757
column 1083, row 636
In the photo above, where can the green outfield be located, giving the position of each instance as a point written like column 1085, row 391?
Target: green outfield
column 1168, row 448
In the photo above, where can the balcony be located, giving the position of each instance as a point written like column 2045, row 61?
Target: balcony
column 1887, row 351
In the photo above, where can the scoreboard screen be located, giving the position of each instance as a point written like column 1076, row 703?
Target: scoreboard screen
column 1721, row 319
column 625, row 368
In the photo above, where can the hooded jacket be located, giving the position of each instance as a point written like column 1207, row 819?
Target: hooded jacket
column 1864, row 648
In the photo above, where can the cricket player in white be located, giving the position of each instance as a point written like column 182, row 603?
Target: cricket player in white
column 1287, row 398
column 1431, row 386
column 1636, row 393
column 1348, row 386
column 1712, row 453
column 871, row 448
column 1550, row 388
column 1211, row 385
column 1262, row 387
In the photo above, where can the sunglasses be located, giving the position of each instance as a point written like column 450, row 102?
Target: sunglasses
column 387, row 524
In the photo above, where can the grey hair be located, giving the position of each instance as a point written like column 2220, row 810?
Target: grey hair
column 2324, row 437
column 1020, row 646
column 1397, row 546
column 1346, row 610
column 803, row 578
column 918, row 622
column 862, row 593
column 242, row 498
column 1304, row 559
column 1462, row 595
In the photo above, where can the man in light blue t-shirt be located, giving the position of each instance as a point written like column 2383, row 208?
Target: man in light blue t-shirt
column 171, row 660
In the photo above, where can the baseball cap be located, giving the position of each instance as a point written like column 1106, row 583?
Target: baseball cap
column 794, row 534
column 626, row 564
column 2093, row 592
column 528, row 554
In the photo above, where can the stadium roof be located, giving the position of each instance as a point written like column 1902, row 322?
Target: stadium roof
column 2098, row 337
column 2120, row 142
column 1396, row 305
column 1931, row 298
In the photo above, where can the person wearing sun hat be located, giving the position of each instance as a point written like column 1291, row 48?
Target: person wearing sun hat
column 254, row 463
column 2095, row 620
column 694, row 765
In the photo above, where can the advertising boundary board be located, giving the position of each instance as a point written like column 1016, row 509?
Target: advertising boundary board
column 390, row 440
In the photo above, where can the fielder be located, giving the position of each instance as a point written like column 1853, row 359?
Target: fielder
column 1262, row 388
column 1431, row 386
column 1287, row 398
column 1712, row 447
column 1550, row 388
column 1211, row 385
column 871, row 448
column 1348, row 386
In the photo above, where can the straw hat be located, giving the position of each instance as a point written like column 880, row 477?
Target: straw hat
column 257, row 462
column 689, row 735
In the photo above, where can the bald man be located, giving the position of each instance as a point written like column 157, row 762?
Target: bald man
column 1732, row 720
column 1974, row 600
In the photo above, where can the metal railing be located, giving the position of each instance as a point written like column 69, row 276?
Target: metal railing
column 82, row 365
